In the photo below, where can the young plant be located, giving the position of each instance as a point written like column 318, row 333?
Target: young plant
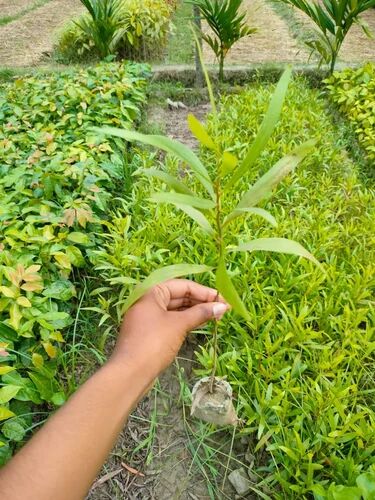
column 105, row 24
column 334, row 18
column 227, row 24
column 208, row 211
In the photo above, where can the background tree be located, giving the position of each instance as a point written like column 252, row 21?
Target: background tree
column 334, row 18
column 105, row 25
column 227, row 23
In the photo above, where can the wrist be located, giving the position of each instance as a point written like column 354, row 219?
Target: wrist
column 133, row 369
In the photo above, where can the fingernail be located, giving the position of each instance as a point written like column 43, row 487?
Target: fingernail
column 219, row 310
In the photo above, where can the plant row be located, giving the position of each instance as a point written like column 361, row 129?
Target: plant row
column 132, row 29
column 353, row 90
column 56, row 185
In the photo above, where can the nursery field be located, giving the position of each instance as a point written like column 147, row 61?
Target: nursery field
column 268, row 197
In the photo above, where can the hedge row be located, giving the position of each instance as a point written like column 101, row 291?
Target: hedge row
column 56, row 181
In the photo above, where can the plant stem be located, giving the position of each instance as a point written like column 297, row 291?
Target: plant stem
column 220, row 249
column 198, row 66
column 221, row 66
column 214, row 359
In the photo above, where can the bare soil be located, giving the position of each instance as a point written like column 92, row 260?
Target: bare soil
column 14, row 7
column 173, row 473
column 29, row 40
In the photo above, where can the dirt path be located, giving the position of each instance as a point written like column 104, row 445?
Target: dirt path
column 26, row 41
column 272, row 42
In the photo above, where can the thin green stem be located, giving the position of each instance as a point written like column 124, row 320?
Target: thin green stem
column 220, row 249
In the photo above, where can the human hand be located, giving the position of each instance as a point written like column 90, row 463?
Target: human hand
column 155, row 327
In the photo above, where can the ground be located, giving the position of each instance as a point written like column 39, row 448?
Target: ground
column 28, row 41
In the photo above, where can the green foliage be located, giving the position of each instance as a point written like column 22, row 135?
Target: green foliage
column 105, row 24
column 303, row 369
column 137, row 30
column 334, row 18
column 56, row 182
column 219, row 186
column 226, row 22
column 353, row 90
column 364, row 489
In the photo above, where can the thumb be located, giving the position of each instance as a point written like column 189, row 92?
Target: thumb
column 201, row 313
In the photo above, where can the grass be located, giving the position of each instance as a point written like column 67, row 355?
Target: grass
column 9, row 19
column 303, row 369
column 180, row 49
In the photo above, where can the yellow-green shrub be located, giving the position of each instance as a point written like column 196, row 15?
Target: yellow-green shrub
column 146, row 26
column 56, row 185
column 354, row 92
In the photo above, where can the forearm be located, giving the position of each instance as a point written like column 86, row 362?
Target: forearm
column 63, row 458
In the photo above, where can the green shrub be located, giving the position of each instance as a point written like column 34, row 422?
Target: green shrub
column 353, row 90
column 103, row 25
column 226, row 19
column 303, row 369
column 145, row 27
column 56, row 182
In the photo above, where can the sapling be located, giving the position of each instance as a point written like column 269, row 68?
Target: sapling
column 212, row 399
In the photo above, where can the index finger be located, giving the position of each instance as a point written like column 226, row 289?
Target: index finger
column 182, row 288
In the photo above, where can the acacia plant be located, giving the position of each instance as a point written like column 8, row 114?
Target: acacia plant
column 226, row 22
column 334, row 18
column 208, row 210
column 105, row 24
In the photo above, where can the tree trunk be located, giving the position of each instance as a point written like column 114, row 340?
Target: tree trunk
column 221, row 67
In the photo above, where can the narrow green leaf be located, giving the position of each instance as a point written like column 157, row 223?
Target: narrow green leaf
column 225, row 286
column 171, row 181
column 229, row 162
column 198, row 217
column 258, row 211
column 198, row 130
column 170, row 146
column 267, row 127
column 160, row 275
column 205, row 72
column 182, row 199
column 280, row 245
column 264, row 186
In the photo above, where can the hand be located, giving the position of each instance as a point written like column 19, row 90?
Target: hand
column 154, row 328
